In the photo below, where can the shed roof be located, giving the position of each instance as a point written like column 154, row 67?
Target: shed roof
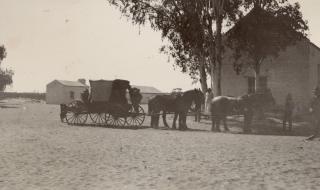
column 147, row 89
column 71, row 83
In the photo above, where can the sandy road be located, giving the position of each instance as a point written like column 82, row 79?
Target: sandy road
column 39, row 152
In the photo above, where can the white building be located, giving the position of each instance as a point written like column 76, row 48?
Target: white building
column 148, row 92
column 64, row 92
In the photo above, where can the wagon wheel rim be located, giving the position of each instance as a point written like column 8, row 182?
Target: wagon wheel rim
column 136, row 118
column 116, row 121
column 76, row 118
column 98, row 118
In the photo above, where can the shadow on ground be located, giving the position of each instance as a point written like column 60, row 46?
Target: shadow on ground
column 268, row 126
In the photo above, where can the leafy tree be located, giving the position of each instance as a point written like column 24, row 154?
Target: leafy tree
column 181, row 24
column 5, row 75
column 266, row 30
column 3, row 53
column 188, row 26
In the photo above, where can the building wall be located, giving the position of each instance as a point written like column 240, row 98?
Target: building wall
column 77, row 93
column 57, row 93
column 146, row 97
column 54, row 93
column 314, row 68
column 287, row 73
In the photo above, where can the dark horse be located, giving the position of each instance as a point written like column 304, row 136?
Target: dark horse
column 222, row 106
column 178, row 104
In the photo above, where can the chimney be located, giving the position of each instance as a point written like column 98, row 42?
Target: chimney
column 82, row 81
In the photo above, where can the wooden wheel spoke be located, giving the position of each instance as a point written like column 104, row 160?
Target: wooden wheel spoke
column 136, row 118
column 98, row 118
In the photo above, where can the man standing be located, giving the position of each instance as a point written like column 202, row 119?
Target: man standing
column 248, row 117
column 208, row 99
column 288, row 111
column 315, row 113
column 63, row 112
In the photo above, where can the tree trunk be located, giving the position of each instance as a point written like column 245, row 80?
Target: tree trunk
column 260, row 110
column 218, row 48
column 203, row 75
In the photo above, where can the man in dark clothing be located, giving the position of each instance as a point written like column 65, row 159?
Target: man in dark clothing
column 315, row 113
column 248, row 117
column 63, row 112
column 288, row 110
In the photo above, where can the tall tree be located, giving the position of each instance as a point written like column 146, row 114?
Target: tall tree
column 5, row 75
column 188, row 25
column 218, row 10
column 186, row 33
column 270, row 26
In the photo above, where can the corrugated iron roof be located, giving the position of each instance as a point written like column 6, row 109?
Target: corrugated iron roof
column 71, row 83
column 147, row 89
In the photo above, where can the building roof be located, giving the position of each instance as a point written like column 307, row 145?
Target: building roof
column 314, row 45
column 70, row 83
column 147, row 89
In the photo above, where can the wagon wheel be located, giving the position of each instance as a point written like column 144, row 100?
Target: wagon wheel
column 76, row 113
column 136, row 117
column 115, row 120
column 98, row 118
column 76, row 118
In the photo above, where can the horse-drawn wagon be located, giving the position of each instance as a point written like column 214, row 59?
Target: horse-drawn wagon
column 107, row 104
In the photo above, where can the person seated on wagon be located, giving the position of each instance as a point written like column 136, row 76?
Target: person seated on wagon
column 135, row 97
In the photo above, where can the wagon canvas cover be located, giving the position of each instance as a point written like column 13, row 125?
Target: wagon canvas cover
column 119, row 90
column 100, row 90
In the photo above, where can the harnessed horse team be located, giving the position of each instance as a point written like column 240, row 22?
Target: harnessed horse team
column 220, row 107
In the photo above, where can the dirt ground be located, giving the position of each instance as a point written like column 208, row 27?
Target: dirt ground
column 39, row 152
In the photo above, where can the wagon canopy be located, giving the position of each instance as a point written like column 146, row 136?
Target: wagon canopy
column 119, row 91
column 100, row 90
column 109, row 91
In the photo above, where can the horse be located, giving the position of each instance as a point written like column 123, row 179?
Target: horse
column 222, row 106
column 179, row 104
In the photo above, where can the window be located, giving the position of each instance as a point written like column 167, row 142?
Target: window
column 72, row 95
column 252, row 84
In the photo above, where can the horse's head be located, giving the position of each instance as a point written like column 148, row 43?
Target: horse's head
column 195, row 96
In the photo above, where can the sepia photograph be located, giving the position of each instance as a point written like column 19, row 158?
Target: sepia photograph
column 159, row 95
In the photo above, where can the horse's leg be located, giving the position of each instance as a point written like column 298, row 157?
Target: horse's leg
column 225, row 123
column 213, row 122
column 157, row 118
column 152, row 121
column 218, row 124
column 184, row 120
column 164, row 114
column 174, row 121
column 247, row 122
column 181, row 127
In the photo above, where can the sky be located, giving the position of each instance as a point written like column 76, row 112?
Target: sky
column 71, row 39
